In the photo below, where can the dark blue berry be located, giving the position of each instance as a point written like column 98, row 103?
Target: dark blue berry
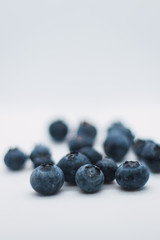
column 41, row 154
column 91, row 153
column 47, row 179
column 87, row 130
column 15, row 159
column 79, row 142
column 138, row 146
column 132, row 175
column 118, row 141
column 70, row 164
column 108, row 167
column 119, row 127
column 116, row 146
column 151, row 156
column 89, row 178
column 58, row 130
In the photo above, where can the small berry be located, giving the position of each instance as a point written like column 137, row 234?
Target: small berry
column 41, row 154
column 76, row 143
column 15, row 159
column 47, row 179
column 151, row 156
column 89, row 178
column 118, row 141
column 132, row 175
column 108, row 167
column 70, row 164
column 91, row 153
column 87, row 130
column 58, row 130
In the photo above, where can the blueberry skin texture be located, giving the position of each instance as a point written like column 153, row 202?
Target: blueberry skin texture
column 58, row 130
column 15, row 159
column 151, row 156
column 132, row 175
column 76, row 143
column 91, row 153
column 70, row 164
column 108, row 167
column 47, row 179
column 41, row 154
column 89, row 178
column 87, row 130
column 116, row 146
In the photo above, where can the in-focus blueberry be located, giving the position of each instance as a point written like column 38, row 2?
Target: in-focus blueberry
column 89, row 178
column 47, row 179
column 58, row 130
column 108, row 167
column 15, row 159
column 79, row 142
column 91, row 153
column 70, row 164
column 132, row 175
column 40, row 154
column 87, row 130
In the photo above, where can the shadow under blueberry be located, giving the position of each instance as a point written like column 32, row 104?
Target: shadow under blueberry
column 38, row 195
column 142, row 189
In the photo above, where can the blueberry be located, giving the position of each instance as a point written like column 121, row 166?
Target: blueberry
column 15, row 159
column 79, row 142
column 87, row 130
column 108, row 167
column 47, row 179
column 132, row 175
column 58, row 130
column 119, row 127
column 70, row 164
column 91, row 153
column 40, row 154
column 116, row 146
column 89, row 178
column 118, row 141
column 151, row 156
column 138, row 146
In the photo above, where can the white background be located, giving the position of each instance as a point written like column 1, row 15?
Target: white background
column 76, row 60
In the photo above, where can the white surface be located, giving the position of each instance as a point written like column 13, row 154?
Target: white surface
column 95, row 60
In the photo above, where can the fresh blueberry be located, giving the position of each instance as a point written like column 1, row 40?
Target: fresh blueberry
column 70, row 164
column 132, row 175
column 58, row 130
column 79, row 142
column 47, row 179
column 108, row 167
column 138, row 146
column 15, row 159
column 89, row 178
column 116, row 146
column 119, row 127
column 87, row 130
column 151, row 156
column 91, row 153
column 118, row 141
column 41, row 154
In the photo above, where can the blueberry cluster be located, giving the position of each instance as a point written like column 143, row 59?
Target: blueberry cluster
column 84, row 165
